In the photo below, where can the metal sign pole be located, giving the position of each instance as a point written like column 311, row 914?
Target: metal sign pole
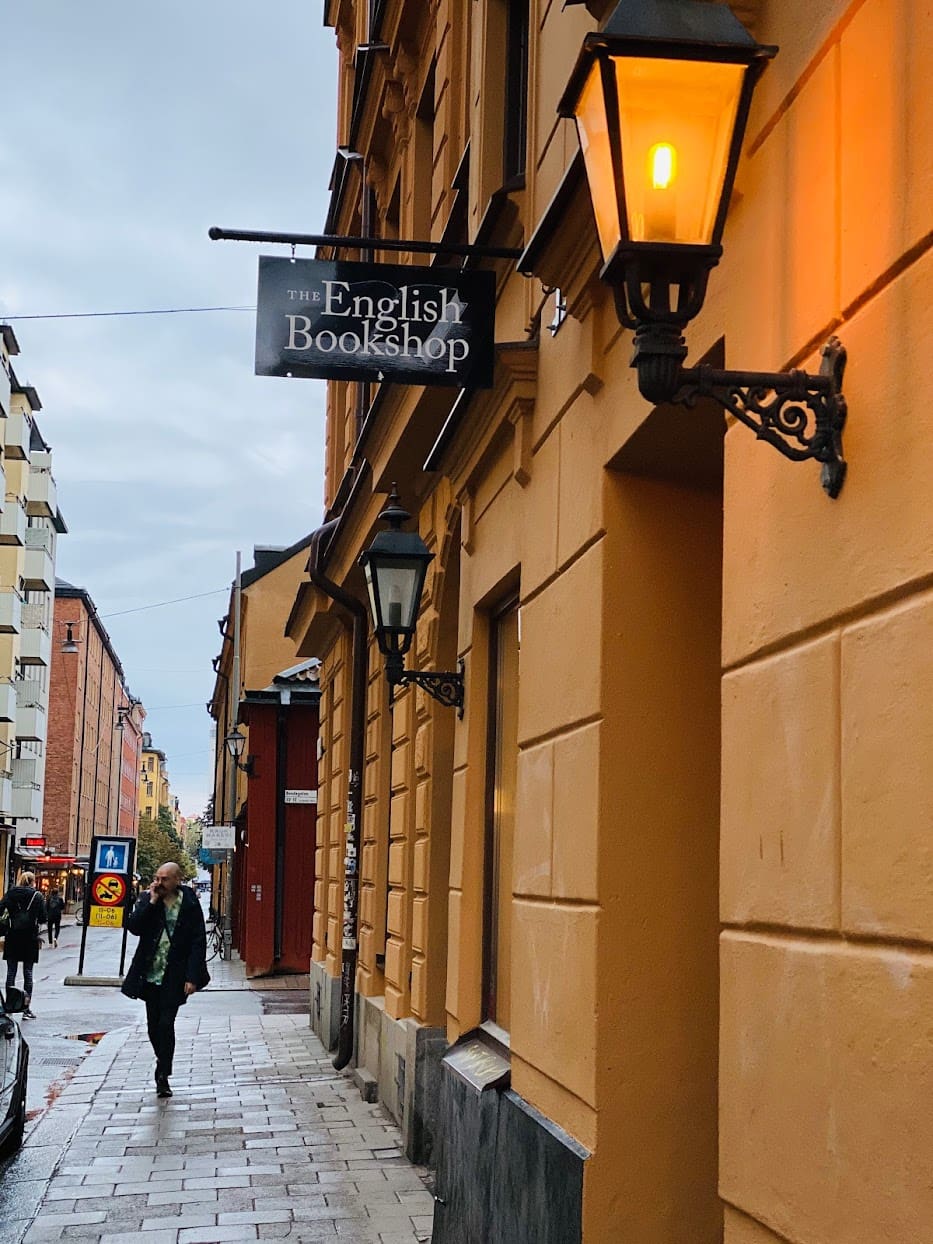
column 233, row 706
column 84, row 924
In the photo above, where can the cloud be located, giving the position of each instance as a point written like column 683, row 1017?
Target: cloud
column 139, row 128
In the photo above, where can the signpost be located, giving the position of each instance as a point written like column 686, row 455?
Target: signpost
column 110, row 890
column 340, row 320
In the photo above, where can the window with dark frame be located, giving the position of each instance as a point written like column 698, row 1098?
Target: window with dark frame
column 515, row 140
column 501, row 776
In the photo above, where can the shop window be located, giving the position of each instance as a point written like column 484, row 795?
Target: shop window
column 501, row 771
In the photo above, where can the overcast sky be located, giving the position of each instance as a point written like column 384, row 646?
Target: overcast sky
column 128, row 130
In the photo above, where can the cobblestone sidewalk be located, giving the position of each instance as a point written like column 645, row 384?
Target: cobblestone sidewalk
column 262, row 1140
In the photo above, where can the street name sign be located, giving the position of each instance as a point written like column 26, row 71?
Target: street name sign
column 301, row 796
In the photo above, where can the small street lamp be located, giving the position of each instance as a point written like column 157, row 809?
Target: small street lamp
column 395, row 566
column 236, row 741
column 70, row 644
column 661, row 98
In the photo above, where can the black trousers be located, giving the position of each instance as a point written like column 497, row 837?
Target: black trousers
column 55, row 927
column 160, row 1021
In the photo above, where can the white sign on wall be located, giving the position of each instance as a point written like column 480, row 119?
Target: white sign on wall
column 218, row 837
column 301, row 796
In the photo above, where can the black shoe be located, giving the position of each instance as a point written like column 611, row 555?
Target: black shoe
column 163, row 1088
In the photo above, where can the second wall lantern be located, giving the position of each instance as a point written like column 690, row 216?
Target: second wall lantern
column 395, row 566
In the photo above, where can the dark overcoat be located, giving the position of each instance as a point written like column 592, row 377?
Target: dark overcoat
column 23, row 946
column 187, row 954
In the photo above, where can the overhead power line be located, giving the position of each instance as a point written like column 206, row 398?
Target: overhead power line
column 94, row 315
column 159, row 604
column 158, row 708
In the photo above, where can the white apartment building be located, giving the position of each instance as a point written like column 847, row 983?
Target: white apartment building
column 30, row 523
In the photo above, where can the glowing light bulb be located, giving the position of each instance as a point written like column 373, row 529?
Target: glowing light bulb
column 662, row 159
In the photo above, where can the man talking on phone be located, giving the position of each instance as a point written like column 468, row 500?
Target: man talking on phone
column 170, row 961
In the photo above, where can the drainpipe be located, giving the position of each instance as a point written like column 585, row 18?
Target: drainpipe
column 360, row 631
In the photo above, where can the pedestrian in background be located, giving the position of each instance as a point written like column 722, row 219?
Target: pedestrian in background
column 170, row 963
column 24, row 909
column 56, row 906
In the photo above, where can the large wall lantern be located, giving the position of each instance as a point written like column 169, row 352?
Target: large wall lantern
column 661, row 97
column 395, row 566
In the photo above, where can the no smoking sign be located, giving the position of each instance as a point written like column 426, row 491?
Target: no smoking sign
column 108, row 890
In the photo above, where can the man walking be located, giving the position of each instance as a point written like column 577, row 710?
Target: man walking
column 170, row 961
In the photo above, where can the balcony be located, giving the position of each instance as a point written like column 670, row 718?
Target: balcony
column 27, row 802
column 13, row 521
column 30, row 693
column 26, row 772
column 35, row 643
column 41, row 493
column 31, row 724
column 8, row 701
column 16, row 435
column 38, row 567
column 6, row 795
column 11, row 611
column 6, row 380
column 35, row 614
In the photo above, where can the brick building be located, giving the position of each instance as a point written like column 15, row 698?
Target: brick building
column 95, row 732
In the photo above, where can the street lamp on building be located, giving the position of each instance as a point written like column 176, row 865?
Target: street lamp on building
column 235, row 741
column 70, row 644
column 395, row 566
column 661, row 98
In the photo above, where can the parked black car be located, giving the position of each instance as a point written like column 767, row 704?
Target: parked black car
column 14, row 1068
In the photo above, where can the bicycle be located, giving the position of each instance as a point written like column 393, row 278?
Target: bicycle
column 215, row 940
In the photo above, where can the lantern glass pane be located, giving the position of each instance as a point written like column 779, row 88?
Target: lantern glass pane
column 677, row 119
column 593, row 129
column 399, row 589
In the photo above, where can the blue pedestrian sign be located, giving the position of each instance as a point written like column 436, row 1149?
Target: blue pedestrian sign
column 113, row 856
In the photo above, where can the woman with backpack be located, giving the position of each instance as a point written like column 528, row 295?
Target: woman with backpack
column 22, row 912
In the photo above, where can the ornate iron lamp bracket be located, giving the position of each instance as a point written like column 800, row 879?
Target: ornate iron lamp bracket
column 444, row 686
column 801, row 415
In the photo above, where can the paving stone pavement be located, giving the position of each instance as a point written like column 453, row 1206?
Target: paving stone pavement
column 262, row 1140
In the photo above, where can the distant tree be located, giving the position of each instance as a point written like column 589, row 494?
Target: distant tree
column 154, row 847
column 166, row 822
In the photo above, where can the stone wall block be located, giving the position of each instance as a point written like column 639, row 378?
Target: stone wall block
column 531, row 853
column 779, row 859
column 825, row 1084
column 887, row 138
column 867, row 546
column 576, row 815
column 887, row 746
column 554, row 993
column 569, row 686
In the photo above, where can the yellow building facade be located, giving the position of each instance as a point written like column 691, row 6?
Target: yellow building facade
column 155, row 790
column 644, row 942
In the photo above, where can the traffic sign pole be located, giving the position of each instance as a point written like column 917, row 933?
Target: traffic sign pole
column 107, row 894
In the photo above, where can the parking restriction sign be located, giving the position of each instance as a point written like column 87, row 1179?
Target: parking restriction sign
column 108, row 890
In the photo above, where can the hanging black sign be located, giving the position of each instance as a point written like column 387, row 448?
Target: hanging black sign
column 336, row 320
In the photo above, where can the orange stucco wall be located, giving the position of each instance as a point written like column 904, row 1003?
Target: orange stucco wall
column 722, row 882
